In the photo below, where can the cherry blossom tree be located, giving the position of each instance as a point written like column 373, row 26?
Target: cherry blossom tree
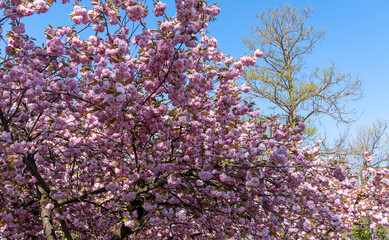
column 139, row 133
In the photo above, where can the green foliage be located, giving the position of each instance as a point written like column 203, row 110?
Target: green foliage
column 382, row 232
column 361, row 232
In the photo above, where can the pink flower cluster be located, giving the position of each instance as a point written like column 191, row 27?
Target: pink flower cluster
column 80, row 15
column 55, row 46
column 40, row 6
column 159, row 9
column 136, row 12
column 185, row 12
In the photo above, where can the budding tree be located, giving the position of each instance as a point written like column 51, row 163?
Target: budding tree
column 100, row 142
column 287, row 39
column 369, row 148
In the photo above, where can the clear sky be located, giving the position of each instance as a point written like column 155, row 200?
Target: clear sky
column 357, row 41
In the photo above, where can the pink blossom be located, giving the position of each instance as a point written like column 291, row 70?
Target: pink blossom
column 245, row 88
column 205, row 175
column 182, row 215
column 238, row 65
column 159, row 9
column 310, row 205
column 59, row 123
column 339, row 173
column 130, row 223
column 136, row 13
column 19, row 29
column 248, row 61
column 307, row 226
column 55, row 46
column 110, row 187
column 258, row 53
column 41, row 6
column 129, row 196
column 226, row 179
column 253, row 182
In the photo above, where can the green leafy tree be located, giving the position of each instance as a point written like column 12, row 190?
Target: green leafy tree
column 286, row 40
column 362, row 231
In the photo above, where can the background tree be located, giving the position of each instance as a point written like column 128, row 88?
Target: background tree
column 369, row 148
column 286, row 40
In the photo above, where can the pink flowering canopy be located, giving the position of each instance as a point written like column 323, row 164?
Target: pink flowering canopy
column 114, row 130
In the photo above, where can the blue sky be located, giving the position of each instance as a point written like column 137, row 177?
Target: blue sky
column 357, row 41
